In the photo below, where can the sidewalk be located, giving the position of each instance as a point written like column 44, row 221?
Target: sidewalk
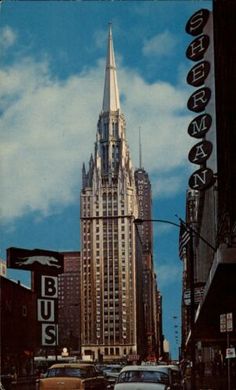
column 212, row 383
column 208, row 382
column 24, row 383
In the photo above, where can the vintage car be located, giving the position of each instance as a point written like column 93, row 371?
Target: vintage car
column 174, row 375
column 73, row 376
column 111, row 373
column 142, row 378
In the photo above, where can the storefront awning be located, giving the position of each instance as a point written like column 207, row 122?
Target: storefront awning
column 219, row 298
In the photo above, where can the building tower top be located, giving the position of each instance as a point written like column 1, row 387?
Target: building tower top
column 111, row 100
column 140, row 150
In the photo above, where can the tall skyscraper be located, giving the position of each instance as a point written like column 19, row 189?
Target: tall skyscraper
column 111, row 273
column 69, row 302
column 151, row 308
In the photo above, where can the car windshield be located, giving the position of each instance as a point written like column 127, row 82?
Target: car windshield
column 67, row 372
column 112, row 369
column 145, row 376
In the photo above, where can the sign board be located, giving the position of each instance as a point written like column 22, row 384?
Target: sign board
column 199, row 99
column 39, row 260
column 132, row 358
column 49, row 335
column 230, row 353
column 200, row 125
column 197, row 22
column 46, row 265
column 198, row 50
column 197, row 75
column 201, row 179
column 49, row 286
column 198, row 294
column 200, row 152
column 229, row 322
column 223, row 323
column 226, row 322
column 47, row 306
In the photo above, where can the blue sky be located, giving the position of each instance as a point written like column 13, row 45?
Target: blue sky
column 52, row 66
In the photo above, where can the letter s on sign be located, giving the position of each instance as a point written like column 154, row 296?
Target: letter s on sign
column 197, row 22
column 49, row 334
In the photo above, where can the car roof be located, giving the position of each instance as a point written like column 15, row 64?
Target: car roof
column 141, row 368
column 171, row 366
column 71, row 365
column 174, row 366
column 113, row 366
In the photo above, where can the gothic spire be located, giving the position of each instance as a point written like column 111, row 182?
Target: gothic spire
column 111, row 101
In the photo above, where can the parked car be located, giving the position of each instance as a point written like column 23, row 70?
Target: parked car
column 142, row 378
column 73, row 376
column 111, row 373
column 174, row 375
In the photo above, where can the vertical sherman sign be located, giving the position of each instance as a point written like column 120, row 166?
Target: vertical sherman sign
column 203, row 177
column 46, row 265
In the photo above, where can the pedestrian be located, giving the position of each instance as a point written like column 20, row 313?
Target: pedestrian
column 200, row 369
column 217, row 364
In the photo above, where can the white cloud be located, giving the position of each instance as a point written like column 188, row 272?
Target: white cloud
column 167, row 186
column 8, row 37
column 161, row 45
column 49, row 127
column 162, row 229
column 158, row 110
column 168, row 274
column 47, row 131
column 100, row 39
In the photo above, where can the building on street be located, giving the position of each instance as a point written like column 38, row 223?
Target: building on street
column 151, row 295
column 212, row 212
column 18, row 329
column 69, row 303
column 112, row 311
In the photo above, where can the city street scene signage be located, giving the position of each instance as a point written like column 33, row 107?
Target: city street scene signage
column 47, row 306
column 197, row 22
column 46, row 265
column 200, row 126
column 198, row 295
column 226, row 322
column 203, row 177
column 38, row 260
column 200, row 152
column 198, row 74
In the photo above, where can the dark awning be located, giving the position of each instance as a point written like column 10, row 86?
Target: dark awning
column 219, row 298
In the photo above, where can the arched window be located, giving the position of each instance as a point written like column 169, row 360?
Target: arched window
column 116, row 130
